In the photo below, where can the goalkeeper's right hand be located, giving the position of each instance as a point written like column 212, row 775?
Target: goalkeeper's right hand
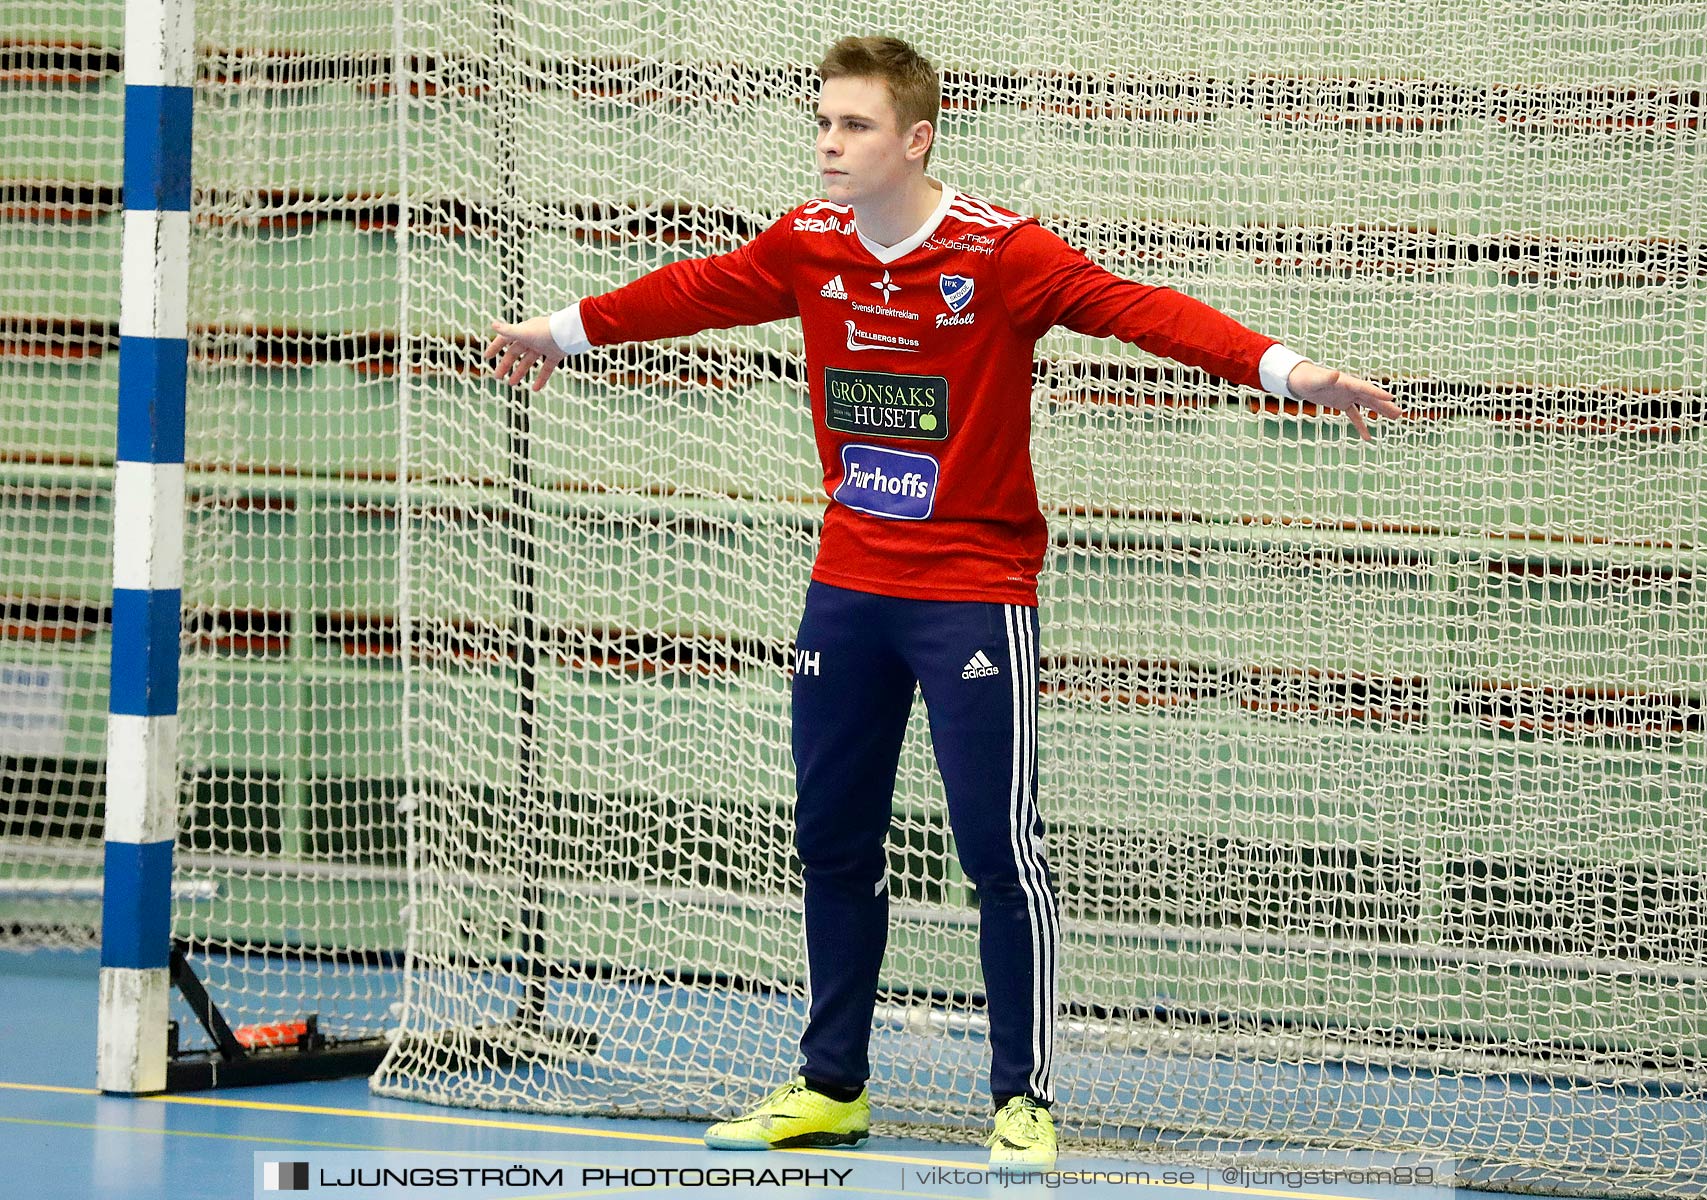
column 523, row 348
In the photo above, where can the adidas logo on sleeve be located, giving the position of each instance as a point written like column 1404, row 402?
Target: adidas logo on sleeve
column 979, row 666
column 834, row 290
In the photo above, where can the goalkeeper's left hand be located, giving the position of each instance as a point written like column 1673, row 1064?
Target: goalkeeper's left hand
column 1336, row 389
column 525, row 347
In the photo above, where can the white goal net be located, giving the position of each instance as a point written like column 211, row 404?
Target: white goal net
column 1374, row 773
column 1369, row 770
column 60, row 164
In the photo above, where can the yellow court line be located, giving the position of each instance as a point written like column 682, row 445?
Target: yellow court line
column 532, row 1127
column 420, row 1118
column 465, row 1122
column 359, row 1146
column 508, row 1156
column 200, row 1133
column 505, row 1156
column 365, row 1114
column 610, row 1134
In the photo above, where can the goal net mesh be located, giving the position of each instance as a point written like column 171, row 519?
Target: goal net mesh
column 60, row 149
column 1368, row 769
column 1374, row 774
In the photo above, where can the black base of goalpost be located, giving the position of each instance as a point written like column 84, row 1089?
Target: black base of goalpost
column 297, row 1052
column 301, row 1063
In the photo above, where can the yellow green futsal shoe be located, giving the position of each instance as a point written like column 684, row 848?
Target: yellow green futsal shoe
column 795, row 1115
column 1025, row 1133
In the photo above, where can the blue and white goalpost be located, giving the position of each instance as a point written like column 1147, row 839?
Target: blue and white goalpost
column 148, row 547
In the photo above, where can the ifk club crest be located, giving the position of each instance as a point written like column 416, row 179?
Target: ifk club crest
column 956, row 291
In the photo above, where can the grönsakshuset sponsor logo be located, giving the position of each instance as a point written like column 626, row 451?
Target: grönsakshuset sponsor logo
column 884, row 404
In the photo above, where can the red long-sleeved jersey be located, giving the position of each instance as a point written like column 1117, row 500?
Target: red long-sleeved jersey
column 919, row 357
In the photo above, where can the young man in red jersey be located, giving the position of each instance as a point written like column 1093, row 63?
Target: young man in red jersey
column 921, row 308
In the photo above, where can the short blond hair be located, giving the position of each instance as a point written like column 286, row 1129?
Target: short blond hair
column 914, row 87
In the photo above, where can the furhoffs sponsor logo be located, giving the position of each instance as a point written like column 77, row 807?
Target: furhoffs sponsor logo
column 881, row 404
column 897, row 484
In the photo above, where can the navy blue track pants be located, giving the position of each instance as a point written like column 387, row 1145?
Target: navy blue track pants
column 857, row 659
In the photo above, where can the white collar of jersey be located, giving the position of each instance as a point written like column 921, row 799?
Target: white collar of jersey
column 888, row 254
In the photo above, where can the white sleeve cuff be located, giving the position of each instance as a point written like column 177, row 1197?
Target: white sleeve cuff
column 1276, row 364
column 571, row 336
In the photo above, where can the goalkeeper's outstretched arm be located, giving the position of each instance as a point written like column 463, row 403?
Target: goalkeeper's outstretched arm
column 1048, row 283
column 747, row 286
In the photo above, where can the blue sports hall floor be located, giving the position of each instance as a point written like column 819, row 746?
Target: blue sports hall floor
column 67, row 1140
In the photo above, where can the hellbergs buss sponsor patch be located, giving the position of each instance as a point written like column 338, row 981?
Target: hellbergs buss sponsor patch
column 897, row 484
